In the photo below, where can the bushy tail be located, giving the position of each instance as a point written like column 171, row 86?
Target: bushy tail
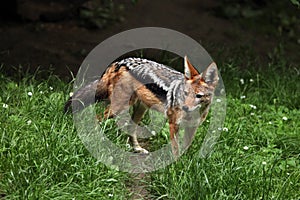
column 87, row 95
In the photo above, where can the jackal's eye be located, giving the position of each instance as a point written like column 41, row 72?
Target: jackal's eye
column 199, row 96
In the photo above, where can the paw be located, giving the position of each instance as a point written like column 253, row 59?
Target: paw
column 140, row 150
column 99, row 118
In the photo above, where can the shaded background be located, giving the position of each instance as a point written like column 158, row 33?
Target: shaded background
column 58, row 34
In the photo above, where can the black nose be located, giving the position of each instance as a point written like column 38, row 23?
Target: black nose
column 185, row 108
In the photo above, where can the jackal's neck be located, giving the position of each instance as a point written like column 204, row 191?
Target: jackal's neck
column 175, row 94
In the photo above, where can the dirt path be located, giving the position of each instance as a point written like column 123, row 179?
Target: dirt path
column 138, row 186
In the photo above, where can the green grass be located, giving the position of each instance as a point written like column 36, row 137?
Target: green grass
column 257, row 158
column 41, row 155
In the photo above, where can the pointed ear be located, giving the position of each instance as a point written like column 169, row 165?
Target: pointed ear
column 189, row 70
column 210, row 75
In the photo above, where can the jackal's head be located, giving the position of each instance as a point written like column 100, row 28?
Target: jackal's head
column 199, row 88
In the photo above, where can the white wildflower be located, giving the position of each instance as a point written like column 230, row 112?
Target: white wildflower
column 110, row 195
column 29, row 94
column 252, row 106
column 71, row 94
column 219, row 100
column 246, row 148
column 243, row 97
column 264, row 162
column 5, row 105
column 41, row 92
column 219, row 129
column 270, row 123
column 242, row 81
column 153, row 132
column 51, row 88
column 127, row 146
column 251, row 80
column 284, row 118
column 252, row 114
column 29, row 122
column 225, row 129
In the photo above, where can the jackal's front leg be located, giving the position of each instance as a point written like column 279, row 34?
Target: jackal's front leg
column 174, row 138
column 189, row 134
column 174, row 116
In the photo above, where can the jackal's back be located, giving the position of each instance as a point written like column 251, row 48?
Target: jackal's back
column 149, row 71
column 164, row 82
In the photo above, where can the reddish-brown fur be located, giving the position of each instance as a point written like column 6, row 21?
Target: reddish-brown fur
column 123, row 90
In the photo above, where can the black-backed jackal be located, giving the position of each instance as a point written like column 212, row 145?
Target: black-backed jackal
column 137, row 81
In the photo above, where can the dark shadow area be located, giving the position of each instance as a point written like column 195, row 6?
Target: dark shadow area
column 57, row 35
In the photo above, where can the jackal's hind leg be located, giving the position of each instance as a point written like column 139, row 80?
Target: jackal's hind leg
column 107, row 114
column 138, row 112
column 136, row 146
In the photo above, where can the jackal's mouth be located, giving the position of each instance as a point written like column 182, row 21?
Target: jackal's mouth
column 190, row 109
